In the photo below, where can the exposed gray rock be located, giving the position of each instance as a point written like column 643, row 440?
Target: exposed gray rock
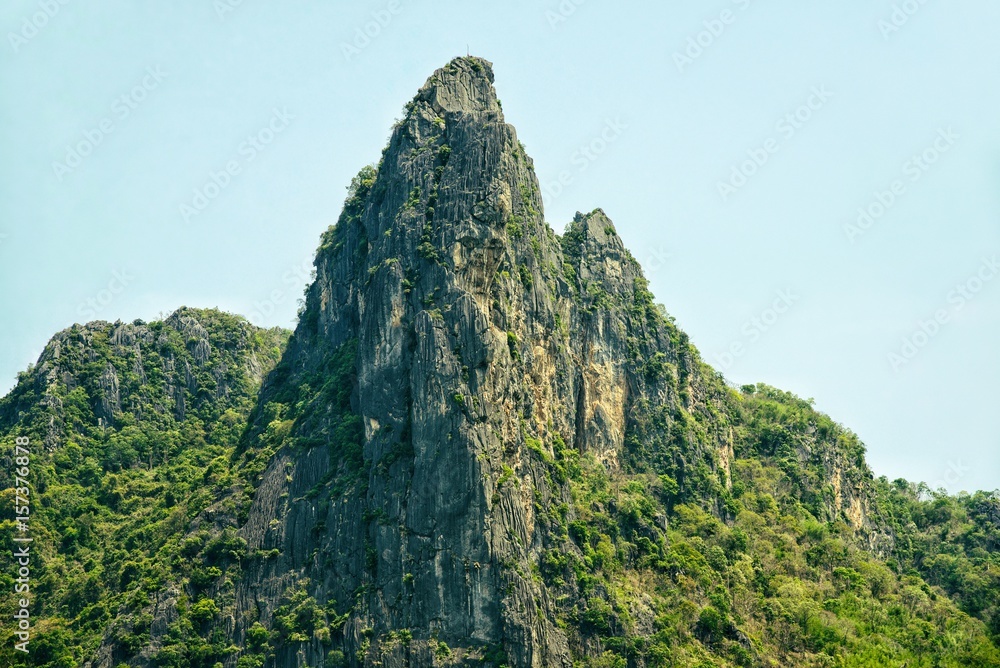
column 109, row 401
column 472, row 338
column 478, row 344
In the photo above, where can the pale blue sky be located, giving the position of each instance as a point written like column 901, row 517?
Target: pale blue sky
column 198, row 82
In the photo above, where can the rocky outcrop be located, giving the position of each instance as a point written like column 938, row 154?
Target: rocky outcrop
column 111, row 363
column 416, row 455
column 485, row 344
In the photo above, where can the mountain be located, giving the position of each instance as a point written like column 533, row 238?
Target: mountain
column 130, row 425
column 484, row 444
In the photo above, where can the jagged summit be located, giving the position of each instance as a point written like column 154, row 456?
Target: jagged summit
column 465, row 85
column 595, row 226
column 454, row 361
column 484, row 355
column 145, row 371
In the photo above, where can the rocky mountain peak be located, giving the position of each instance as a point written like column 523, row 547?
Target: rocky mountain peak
column 465, row 85
column 595, row 225
column 485, row 445
column 593, row 233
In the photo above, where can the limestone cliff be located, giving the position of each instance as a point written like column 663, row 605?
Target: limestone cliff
column 476, row 357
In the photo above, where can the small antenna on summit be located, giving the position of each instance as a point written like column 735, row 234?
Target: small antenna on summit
column 468, row 52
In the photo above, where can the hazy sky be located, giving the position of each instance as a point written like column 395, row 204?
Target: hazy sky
column 733, row 143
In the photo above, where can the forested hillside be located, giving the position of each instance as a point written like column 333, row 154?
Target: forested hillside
column 131, row 427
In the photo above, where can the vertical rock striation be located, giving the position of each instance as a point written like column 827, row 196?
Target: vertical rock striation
column 475, row 440
column 470, row 350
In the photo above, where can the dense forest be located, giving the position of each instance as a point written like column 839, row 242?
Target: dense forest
column 132, row 426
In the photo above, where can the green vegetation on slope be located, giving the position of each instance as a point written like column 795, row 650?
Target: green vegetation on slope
column 119, row 468
column 644, row 575
column 952, row 542
column 653, row 565
column 151, row 442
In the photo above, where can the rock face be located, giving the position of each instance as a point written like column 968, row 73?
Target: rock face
column 482, row 350
column 432, row 276
column 108, row 364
